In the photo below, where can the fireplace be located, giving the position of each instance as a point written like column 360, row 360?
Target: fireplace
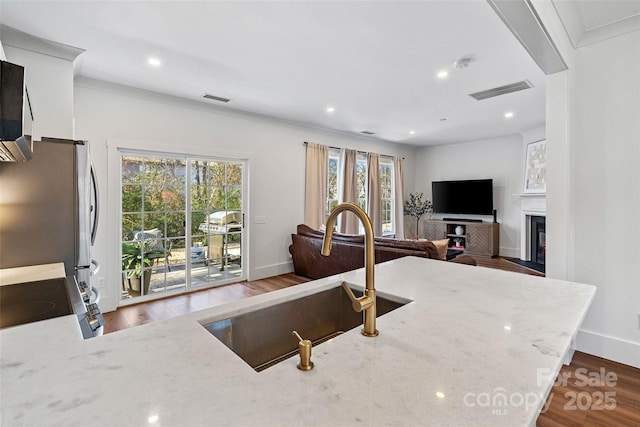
column 537, row 239
column 532, row 231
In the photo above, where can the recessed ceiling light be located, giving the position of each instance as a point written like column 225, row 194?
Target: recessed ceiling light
column 154, row 62
column 412, row 132
column 508, row 115
column 440, row 395
column 442, row 74
column 330, row 109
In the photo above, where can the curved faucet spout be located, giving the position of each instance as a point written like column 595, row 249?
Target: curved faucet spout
column 368, row 301
column 369, row 254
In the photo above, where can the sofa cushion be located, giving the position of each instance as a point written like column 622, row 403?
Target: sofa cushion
column 412, row 245
column 415, row 245
column 305, row 230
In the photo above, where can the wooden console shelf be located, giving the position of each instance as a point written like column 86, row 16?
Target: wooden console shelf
column 476, row 238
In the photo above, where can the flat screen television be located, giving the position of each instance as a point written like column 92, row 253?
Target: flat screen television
column 463, row 197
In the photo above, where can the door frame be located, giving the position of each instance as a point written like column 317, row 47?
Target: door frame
column 114, row 224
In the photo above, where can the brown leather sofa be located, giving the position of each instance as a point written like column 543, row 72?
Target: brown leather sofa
column 347, row 252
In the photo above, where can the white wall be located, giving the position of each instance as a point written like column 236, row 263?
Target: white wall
column 593, row 187
column 532, row 135
column 500, row 159
column 275, row 151
column 50, row 83
column 559, row 111
column 606, row 169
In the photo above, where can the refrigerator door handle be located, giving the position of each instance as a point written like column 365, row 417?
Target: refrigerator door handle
column 95, row 209
column 95, row 295
column 96, row 264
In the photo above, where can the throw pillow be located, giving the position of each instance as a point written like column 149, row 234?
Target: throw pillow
column 441, row 246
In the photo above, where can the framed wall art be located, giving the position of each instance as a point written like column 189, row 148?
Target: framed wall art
column 535, row 167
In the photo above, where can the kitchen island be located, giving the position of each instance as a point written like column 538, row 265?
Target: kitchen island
column 475, row 346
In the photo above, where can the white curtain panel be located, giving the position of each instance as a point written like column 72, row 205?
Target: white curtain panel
column 374, row 200
column 398, row 190
column 348, row 190
column 316, row 184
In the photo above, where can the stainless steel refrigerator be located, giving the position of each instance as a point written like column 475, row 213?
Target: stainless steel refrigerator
column 48, row 209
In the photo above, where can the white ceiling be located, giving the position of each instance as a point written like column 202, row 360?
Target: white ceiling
column 588, row 22
column 375, row 62
column 597, row 14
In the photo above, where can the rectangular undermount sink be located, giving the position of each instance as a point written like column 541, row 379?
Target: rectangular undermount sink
column 263, row 337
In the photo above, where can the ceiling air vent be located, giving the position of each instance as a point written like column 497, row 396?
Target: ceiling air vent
column 215, row 98
column 502, row 90
column 368, row 132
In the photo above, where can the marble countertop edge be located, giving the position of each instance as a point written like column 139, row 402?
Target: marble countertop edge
column 446, row 333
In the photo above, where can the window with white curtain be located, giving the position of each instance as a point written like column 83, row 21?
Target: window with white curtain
column 386, row 181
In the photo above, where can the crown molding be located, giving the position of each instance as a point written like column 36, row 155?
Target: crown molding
column 16, row 38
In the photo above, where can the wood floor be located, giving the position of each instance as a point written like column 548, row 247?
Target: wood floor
column 166, row 308
column 593, row 392
column 139, row 314
column 574, row 402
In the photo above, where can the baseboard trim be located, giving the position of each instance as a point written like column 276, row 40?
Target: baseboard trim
column 271, row 270
column 607, row 347
column 509, row 252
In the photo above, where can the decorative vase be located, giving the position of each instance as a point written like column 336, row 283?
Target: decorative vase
column 459, row 230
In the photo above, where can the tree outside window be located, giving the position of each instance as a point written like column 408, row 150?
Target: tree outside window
column 332, row 183
column 387, row 201
column 361, row 175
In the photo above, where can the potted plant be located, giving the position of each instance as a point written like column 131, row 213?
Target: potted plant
column 137, row 255
column 417, row 207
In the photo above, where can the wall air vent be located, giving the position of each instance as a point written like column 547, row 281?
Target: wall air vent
column 502, row 90
column 368, row 132
column 215, row 98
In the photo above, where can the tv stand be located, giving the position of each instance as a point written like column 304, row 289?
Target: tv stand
column 461, row 220
column 473, row 237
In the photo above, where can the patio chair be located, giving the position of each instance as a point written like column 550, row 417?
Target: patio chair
column 154, row 240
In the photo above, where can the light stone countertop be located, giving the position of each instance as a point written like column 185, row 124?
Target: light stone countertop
column 451, row 339
column 31, row 273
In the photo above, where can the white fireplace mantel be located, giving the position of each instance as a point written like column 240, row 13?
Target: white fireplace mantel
column 530, row 205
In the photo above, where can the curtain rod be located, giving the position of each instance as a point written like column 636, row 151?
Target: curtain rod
column 357, row 151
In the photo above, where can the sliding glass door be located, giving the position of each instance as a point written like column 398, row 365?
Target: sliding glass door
column 216, row 221
column 182, row 223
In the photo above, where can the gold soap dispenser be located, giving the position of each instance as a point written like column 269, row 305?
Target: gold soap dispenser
column 305, row 353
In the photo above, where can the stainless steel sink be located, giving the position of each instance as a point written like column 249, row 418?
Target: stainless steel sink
column 263, row 337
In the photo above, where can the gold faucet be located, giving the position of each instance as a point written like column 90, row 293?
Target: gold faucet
column 367, row 302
